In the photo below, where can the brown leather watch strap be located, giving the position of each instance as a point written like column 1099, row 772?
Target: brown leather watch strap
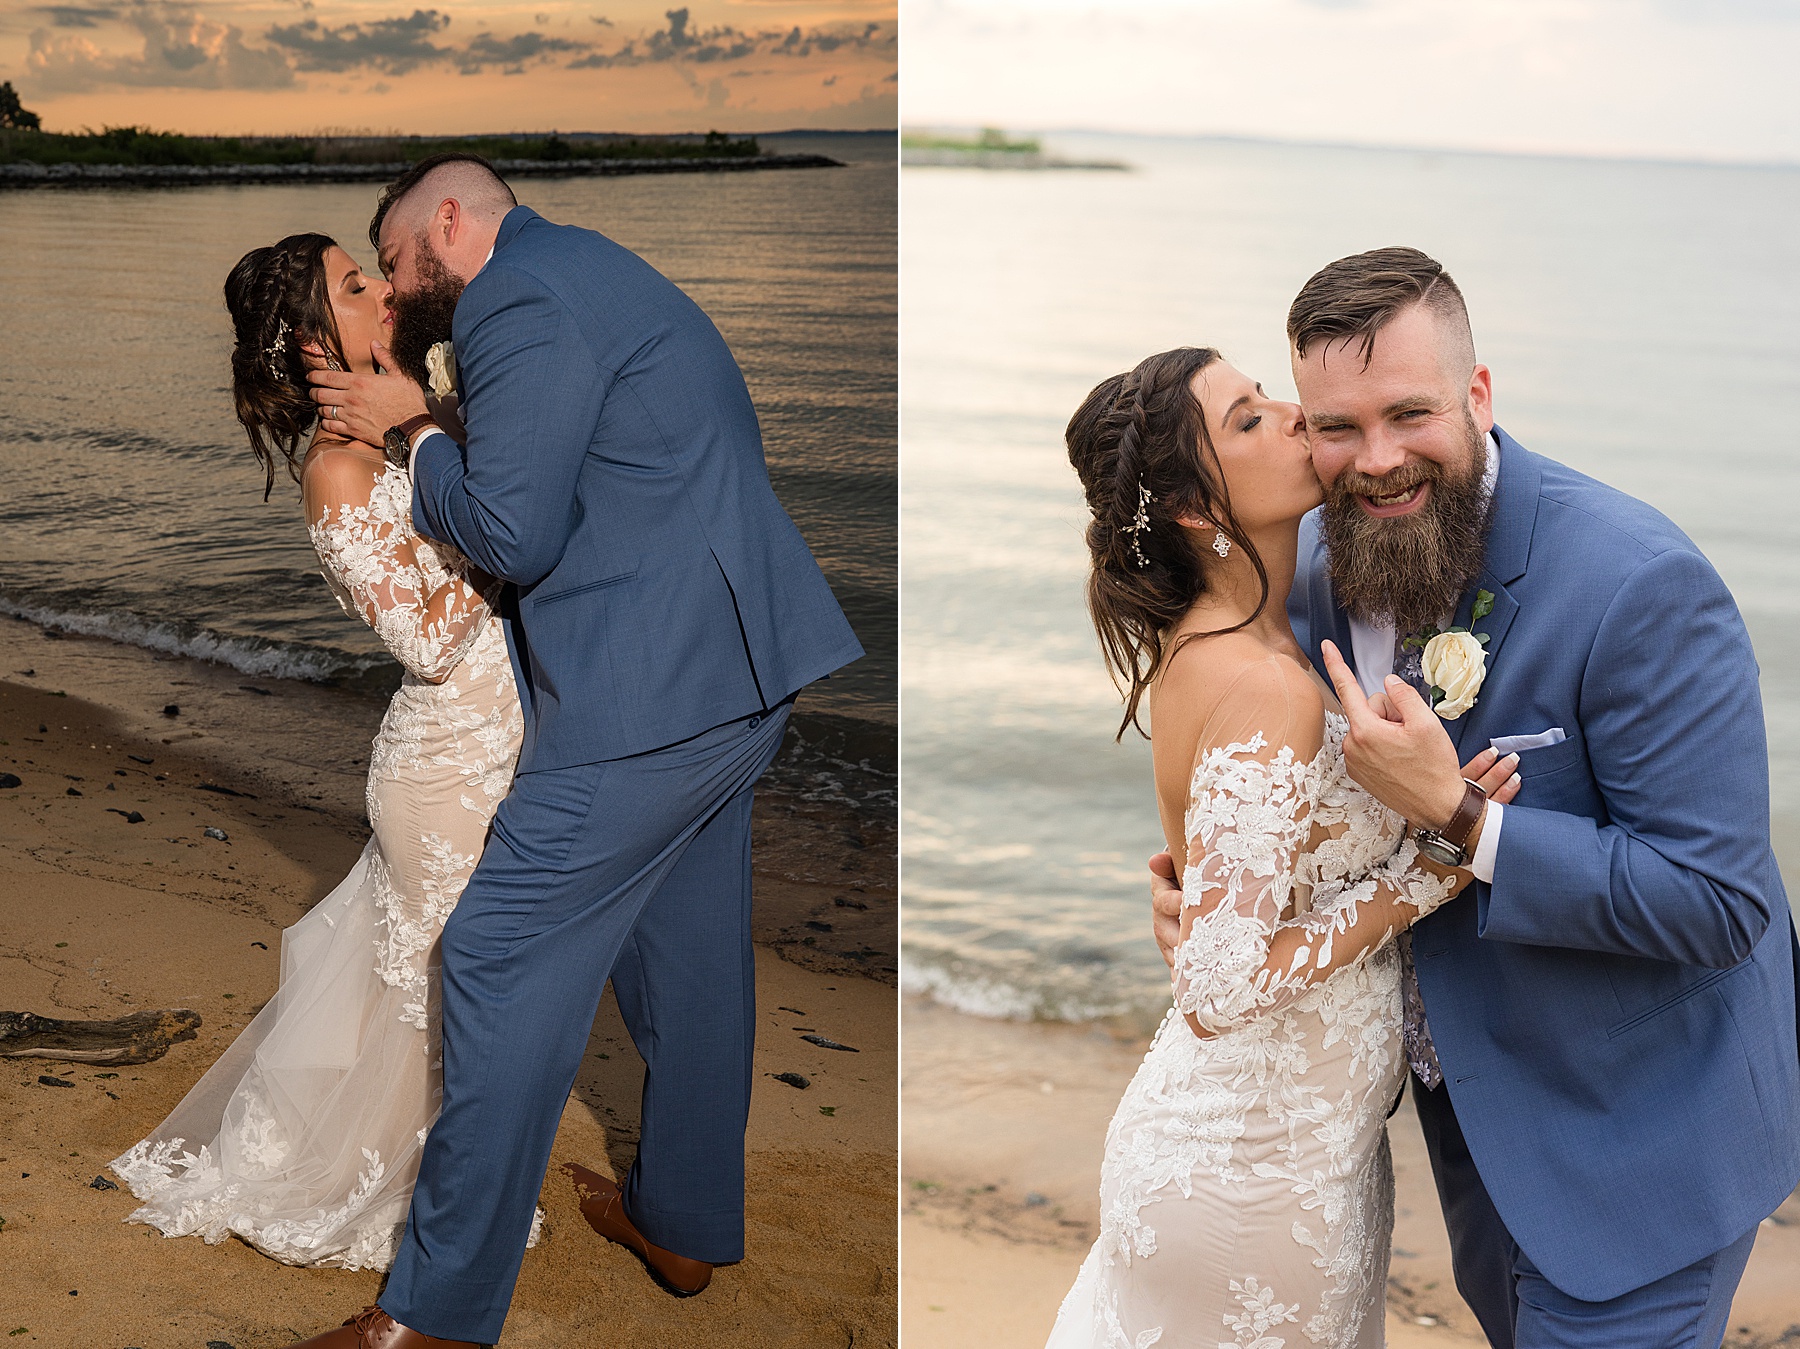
column 415, row 424
column 1468, row 813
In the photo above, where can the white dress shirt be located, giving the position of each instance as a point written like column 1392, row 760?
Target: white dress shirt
column 1372, row 653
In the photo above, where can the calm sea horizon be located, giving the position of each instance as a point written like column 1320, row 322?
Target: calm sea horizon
column 132, row 508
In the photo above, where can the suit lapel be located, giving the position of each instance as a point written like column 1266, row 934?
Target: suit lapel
column 1508, row 552
column 1336, row 626
column 1324, row 619
column 1495, row 626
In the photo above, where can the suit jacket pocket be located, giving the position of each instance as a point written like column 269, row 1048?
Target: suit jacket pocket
column 1699, row 985
column 1510, row 744
column 1547, row 759
column 583, row 589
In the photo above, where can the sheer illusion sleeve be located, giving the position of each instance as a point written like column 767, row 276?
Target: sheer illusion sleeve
column 425, row 612
column 1255, row 934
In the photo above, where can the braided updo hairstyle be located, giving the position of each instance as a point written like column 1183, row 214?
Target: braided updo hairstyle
column 1137, row 435
column 279, row 300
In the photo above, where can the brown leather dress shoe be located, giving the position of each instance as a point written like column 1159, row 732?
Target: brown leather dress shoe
column 372, row 1328
column 604, row 1207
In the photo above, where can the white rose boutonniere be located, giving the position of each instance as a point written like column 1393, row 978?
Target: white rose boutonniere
column 440, row 364
column 1454, row 663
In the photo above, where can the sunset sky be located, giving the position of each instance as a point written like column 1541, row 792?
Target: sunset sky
column 1709, row 79
column 279, row 66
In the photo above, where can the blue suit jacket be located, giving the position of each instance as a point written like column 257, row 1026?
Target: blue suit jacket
column 1615, row 1015
column 614, row 475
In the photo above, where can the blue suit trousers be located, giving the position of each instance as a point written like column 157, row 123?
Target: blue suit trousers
column 637, row 869
column 1519, row 1308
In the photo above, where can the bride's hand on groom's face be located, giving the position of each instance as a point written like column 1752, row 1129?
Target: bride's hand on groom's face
column 1397, row 751
column 362, row 407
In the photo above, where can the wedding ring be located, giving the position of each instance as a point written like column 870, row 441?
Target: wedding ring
column 334, row 412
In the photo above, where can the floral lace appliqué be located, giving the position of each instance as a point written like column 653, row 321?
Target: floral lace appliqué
column 1295, row 883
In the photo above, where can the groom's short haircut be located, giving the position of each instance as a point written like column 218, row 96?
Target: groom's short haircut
column 1358, row 296
column 474, row 176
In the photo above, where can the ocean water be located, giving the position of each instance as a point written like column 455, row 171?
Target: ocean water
column 130, row 506
column 1643, row 325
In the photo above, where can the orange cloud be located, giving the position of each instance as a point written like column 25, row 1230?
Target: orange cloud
column 295, row 66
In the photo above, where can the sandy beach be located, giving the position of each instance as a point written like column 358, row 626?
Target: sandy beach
column 1003, row 1124
column 101, row 916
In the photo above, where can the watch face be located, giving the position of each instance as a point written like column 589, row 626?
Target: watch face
column 1439, row 851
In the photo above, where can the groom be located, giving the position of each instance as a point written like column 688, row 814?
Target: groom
column 1602, row 1030
column 661, row 612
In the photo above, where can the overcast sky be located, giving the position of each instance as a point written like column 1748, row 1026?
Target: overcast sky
column 273, row 66
column 1712, row 79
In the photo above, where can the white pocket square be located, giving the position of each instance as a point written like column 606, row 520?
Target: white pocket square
column 1512, row 744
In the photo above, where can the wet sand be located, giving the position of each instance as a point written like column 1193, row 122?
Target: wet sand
column 100, row 917
column 1003, row 1125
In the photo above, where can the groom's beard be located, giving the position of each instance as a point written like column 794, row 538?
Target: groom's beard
column 1410, row 570
column 423, row 317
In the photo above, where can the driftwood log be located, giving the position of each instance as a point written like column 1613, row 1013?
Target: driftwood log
column 139, row 1038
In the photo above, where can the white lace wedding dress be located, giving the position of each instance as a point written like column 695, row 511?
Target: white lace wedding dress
column 1246, row 1193
column 304, row 1138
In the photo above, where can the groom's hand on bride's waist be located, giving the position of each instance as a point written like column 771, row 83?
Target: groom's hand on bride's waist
column 1165, row 906
column 363, row 407
column 1493, row 773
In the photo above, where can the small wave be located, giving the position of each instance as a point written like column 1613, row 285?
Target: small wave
column 845, row 760
column 982, row 993
column 261, row 657
column 826, row 757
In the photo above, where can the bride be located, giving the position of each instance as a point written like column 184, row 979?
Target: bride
column 304, row 1138
column 1246, row 1192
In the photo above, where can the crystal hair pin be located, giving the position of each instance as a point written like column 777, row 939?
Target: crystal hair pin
column 1139, row 523
column 275, row 349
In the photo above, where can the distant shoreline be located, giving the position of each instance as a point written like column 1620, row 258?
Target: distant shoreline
column 956, row 158
column 200, row 175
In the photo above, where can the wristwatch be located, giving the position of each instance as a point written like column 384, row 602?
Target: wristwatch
column 399, row 438
column 1450, row 845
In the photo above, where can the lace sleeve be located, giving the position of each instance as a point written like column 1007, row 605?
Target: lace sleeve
column 426, row 614
column 1242, row 952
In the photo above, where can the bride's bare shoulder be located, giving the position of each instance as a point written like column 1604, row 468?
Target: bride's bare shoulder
column 1202, row 673
column 1222, row 690
column 334, row 472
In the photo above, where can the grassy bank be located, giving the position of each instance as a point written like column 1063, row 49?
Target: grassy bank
column 142, row 147
column 991, row 141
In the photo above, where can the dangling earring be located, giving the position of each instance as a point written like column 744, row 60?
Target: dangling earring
column 1221, row 544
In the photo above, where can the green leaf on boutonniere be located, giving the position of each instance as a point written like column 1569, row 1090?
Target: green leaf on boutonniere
column 1482, row 637
column 1419, row 639
column 1437, row 695
column 1484, row 605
